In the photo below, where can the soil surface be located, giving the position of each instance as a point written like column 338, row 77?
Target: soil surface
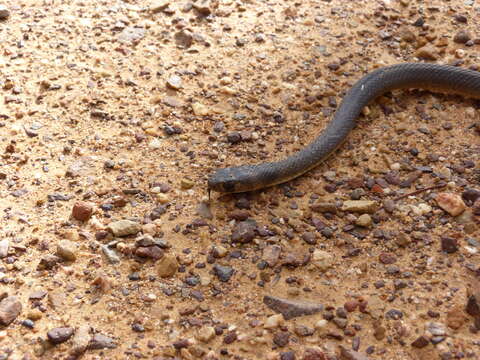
column 113, row 113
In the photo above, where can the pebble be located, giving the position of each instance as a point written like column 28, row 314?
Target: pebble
column 244, row 231
column 155, row 144
column 48, row 262
column 80, row 340
column 271, row 254
column 157, row 6
column 302, row 330
column 427, row 52
column 273, row 321
column 341, row 323
column 357, row 194
column 310, row 237
column 206, row 333
column 471, row 195
column 402, row 239
column 59, row 335
column 4, row 246
column 204, row 211
column 348, row 354
column 203, row 7
column 420, row 342
column 167, row 266
column 291, row 308
column 220, row 251
column 360, row 206
column 436, row 328
column 4, row 12
column 476, row 208
column 456, row 318
column 10, row 308
column 379, row 332
column 175, row 82
column 224, row 273
column 313, row 353
column 186, row 184
column 364, row 220
column 100, row 341
column 183, row 39
column 320, row 324
column 449, row 244
column 82, row 211
column 322, row 260
column 351, row 305
column 111, row 255
column 407, row 35
column 131, row 35
column 281, row 338
column 234, row 137
column 151, row 252
column 462, row 36
column 124, row 228
column 200, row 109
column 473, row 302
column 324, row 207
column 67, row 249
column 287, row 355
column 387, row 258
column 451, row 203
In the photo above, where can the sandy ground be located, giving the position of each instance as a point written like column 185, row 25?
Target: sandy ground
column 113, row 113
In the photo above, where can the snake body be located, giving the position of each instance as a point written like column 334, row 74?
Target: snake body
column 442, row 78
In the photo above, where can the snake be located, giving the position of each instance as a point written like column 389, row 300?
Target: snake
column 427, row 76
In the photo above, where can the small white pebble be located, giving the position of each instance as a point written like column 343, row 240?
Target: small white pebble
column 155, row 144
column 151, row 297
column 451, row 184
column 273, row 321
column 395, row 166
column 424, row 208
column 320, row 324
column 471, row 250
column 459, row 53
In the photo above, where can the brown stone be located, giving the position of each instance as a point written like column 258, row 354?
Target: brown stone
column 451, row 203
column 271, row 254
column 348, row 354
column 351, row 305
column 82, row 211
column 387, row 258
column 473, row 303
column 314, row 354
column 167, row 266
column 10, row 308
column 427, row 52
column 151, row 252
column 449, row 245
column 420, row 342
column 456, row 318
column 290, row 308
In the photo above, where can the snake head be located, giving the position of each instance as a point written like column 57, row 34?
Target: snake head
column 230, row 180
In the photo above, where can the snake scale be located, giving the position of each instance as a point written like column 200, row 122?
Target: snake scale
column 434, row 77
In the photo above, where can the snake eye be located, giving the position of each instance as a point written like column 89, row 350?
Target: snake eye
column 229, row 186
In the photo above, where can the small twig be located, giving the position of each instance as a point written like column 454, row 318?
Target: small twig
column 420, row 191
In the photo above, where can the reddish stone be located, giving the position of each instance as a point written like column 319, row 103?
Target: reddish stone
column 351, row 305
column 387, row 258
column 82, row 211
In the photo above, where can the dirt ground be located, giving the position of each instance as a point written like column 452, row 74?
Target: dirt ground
column 113, row 113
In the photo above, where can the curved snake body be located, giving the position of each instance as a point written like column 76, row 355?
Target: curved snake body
column 442, row 78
